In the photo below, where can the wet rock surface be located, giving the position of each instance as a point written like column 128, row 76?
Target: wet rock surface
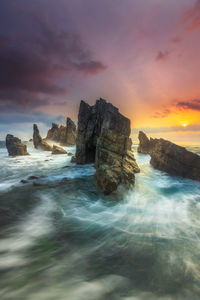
column 170, row 158
column 103, row 139
column 15, row 146
column 58, row 150
column 64, row 135
column 38, row 142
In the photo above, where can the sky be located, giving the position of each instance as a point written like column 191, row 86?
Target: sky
column 142, row 56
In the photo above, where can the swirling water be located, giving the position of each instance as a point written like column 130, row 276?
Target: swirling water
column 65, row 240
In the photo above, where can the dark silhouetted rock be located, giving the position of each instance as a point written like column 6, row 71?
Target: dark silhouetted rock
column 103, row 139
column 58, row 150
column 144, row 145
column 32, row 177
column 175, row 160
column 24, row 181
column 70, row 138
column 53, row 134
column 15, row 146
column 38, row 142
column 73, row 159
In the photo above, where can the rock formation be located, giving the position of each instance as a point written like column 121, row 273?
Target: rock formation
column 103, row 139
column 170, row 158
column 15, row 146
column 175, row 160
column 58, row 150
column 65, row 135
column 144, row 145
column 38, row 142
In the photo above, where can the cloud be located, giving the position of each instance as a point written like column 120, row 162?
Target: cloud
column 162, row 114
column 191, row 17
column 162, row 55
column 176, row 40
column 168, row 129
column 37, row 67
column 192, row 104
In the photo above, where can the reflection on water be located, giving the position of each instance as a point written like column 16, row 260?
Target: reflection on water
column 68, row 241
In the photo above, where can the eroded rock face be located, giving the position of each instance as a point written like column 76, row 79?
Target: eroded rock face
column 65, row 135
column 38, row 142
column 144, row 145
column 58, row 150
column 175, row 160
column 103, row 139
column 15, row 146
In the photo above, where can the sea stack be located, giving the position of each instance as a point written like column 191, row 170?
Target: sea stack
column 58, row 150
column 15, row 146
column 103, row 139
column 64, row 135
column 38, row 142
column 170, row 158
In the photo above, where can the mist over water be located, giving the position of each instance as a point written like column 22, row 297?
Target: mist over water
column 65, row 240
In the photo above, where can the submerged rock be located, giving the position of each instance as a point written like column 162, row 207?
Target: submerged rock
column 38, row 142
column 15, row 146
column 103, row 139
column 58, row 150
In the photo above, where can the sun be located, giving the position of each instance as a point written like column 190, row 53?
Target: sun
column 185, row 124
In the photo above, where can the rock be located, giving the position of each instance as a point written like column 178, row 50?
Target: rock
column 32, row 177
column 24, row 181
column 103, row 139
column 58, row 150
column 174, row 159
column 69, row 154
column 38, row 142
column 30, row 140
column 73, row 159
column 53, row 134
column 144, row 145
column 65, row 135
column 70, row 138
column 15, row 146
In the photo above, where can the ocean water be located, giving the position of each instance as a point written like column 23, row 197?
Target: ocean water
column 64, row 240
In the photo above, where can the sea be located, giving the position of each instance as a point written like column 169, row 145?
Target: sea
column 62, row 239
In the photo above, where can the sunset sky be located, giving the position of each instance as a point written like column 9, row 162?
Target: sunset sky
column 143, row 56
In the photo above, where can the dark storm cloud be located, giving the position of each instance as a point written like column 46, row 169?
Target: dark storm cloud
column 31, row 68
column 162, row 55
column 193, row 104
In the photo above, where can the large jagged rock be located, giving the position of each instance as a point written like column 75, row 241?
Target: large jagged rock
column 144, row 145
column 15, row 146
column 58, row 150
column 38, row 142
column 103, row 139
column 70, row 135
column 53, row 134
column 170, row 158
column 175, row 160
column 65, row 135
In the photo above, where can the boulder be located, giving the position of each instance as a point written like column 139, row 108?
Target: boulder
column 58, row 150
column 38, row 142
column 15, row 146
column 103, row 139
column 175, row 160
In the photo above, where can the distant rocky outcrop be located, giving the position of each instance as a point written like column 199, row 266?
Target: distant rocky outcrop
column 103, row 139
column 58, row 150
column 38, row 142
column 170, row 158
column 144, row 145
column 65, row 135
column 15, row 146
